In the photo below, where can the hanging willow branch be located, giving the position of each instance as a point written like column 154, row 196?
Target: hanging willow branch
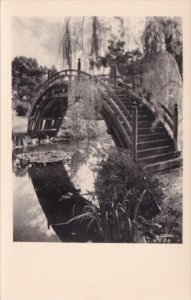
column 95, row 37
column 67, row 45
column 82, row 40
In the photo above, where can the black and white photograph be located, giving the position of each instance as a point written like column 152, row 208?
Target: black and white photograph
column 97, row 129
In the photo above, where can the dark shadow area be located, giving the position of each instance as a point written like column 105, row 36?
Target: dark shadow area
column 61, row 202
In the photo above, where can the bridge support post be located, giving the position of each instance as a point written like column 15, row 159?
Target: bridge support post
column 114, row 76
column 79, row 68
column 134, row 131
column 175, row 125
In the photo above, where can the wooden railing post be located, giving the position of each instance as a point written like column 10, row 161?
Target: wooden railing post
column 79, row 68
column 114, row 75
column 175, row 125
column 134, row 131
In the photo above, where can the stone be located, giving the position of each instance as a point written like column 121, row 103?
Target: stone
column 162, row 79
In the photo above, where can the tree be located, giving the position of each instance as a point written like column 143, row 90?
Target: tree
column 67, row 44
column 164, row 33
column 52, row 71
column 113, row 56
column 26, row 76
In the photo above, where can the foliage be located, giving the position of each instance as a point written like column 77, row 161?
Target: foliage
column 164, row 33
column 26, row 77
column 122, row 183
column 52, row 71
column 84, row 103
column 81, row 38
column 120, row 176
column 67, row 45
column 87, row 38
column 121, row 62
column 125, row 193
column 110, row 225
column 170, row 223
column 95, row 38
column 21, row 107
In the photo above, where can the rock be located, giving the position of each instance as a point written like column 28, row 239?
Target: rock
column 161, row 78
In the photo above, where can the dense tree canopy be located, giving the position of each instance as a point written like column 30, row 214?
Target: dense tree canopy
column 102, row 43
column 26, row 77
column 164, row 33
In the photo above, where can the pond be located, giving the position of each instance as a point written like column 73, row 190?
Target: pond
column 47, row 196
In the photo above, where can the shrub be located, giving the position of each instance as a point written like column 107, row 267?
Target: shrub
column 21, row 108
column 120, row 177
column 125, row 193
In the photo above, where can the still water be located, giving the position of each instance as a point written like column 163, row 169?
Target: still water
column 45, row 197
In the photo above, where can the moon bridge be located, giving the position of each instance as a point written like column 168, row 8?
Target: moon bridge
column 129, row 117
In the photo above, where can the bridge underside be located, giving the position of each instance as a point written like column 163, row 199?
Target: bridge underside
column 47, row 115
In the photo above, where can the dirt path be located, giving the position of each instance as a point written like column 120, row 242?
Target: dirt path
column 170, row 217
column 172, row 185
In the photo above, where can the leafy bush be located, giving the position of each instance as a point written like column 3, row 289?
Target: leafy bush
column 120, row 177
column 84, row 104
column 22, row 108
column 126, row 196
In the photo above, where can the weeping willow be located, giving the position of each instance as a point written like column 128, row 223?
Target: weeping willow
column 80, row 39
column 95, row 37
column 67, row 45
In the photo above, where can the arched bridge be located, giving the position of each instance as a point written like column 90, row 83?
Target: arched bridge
column 129, row 118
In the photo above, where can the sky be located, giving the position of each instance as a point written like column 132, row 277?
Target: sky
column 40, row 38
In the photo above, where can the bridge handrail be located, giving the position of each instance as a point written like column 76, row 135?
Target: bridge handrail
column 119, row 112
column 163, row 112
column 108, row 108
column 64, row 73
column 166, row 117
column 116, row 98
column 54, row 77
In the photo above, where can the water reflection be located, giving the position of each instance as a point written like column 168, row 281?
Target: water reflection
column 60, row 202
column 45, row 196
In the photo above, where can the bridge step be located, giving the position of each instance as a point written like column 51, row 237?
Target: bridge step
column 159, row 157
column 152, row 151
column 148, row 130
column 164, row 165
column 152, row 137
column 146, row 124
column 141, row 116
column 153, row 144
column 155, row 148
column 145, row 118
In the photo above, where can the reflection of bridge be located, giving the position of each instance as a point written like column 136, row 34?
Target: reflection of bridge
column 61, row 202
column 129, row 118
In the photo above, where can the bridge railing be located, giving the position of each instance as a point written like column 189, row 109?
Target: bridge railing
column 123, row 115
column 169, row 120
column 107, row 84
column 64, row 74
